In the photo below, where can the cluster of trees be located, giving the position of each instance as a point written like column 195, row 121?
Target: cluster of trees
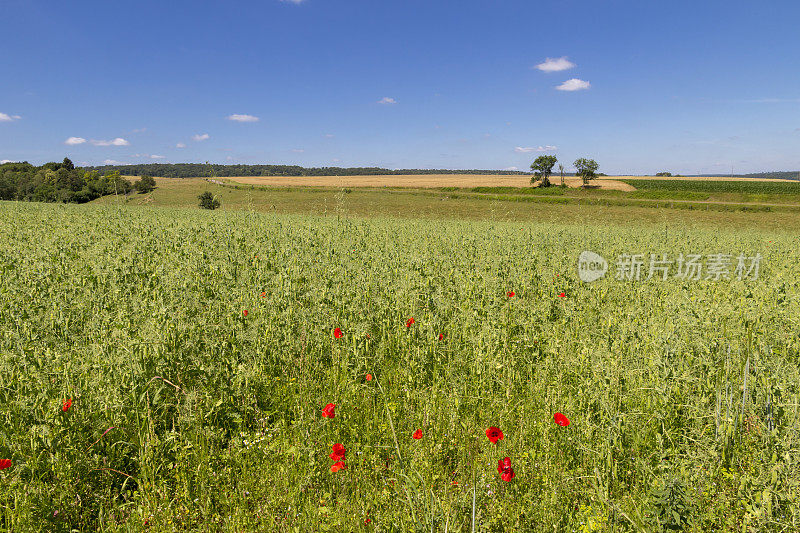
column 542, row 169
column 57, row 182
column 62, row 182
column 200, row 170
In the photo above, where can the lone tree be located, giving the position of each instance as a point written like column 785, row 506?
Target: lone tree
column 586, row 169
column 561, row 171
column 208, row 201
column 542, row 168
column 145, row 184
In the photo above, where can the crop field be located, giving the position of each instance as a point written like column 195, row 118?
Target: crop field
column 170, row 369
column 717, row 186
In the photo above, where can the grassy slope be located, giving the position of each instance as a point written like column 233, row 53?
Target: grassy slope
column 137, row 315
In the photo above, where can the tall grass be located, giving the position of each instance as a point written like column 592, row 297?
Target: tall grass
column 187, row 415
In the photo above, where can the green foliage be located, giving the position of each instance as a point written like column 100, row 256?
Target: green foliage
column 208, row 201
column 664, row 174
column 671, row 506
column 57, row 182
column 145, row 185
column 586, row 169
column 542, row 168
column 188, row 416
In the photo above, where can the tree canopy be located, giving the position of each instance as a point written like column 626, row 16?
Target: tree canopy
column 586, row 169
column 542, row 169
column 57, row 182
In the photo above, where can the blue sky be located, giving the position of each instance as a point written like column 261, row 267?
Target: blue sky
column 691, row 87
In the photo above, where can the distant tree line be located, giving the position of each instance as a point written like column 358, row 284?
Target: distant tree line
column 200, row 170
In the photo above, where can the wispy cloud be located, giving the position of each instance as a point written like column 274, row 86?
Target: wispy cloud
column 529, row 149
column 200, row 137
column 112, row 162
column 511, row 168
column 298, row 150
column 293, row 1
column 8, row 118
column 180, row 145
column 555, row 64
column 119, row 141
column 329, row 135
column 4, row 161
column 574, row 85
column 154, row 156
column 72, row 141
column 243, row 118
column 139, row 130
column 387, row 101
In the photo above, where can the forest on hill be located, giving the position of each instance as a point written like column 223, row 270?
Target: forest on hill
column 58, row 182
column 202, row 170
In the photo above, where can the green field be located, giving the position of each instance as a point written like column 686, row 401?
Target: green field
column 188, row 415
column 590, row 207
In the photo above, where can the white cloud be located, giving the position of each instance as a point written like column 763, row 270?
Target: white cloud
column 154, row 156
column 293, row 1
column 555, row 64
column 111, row 162
column 298, row 150
column 4, row 161
column 529, row 149
column 511, row 168
column 329, row 135
column 199, row 138
column 139, row 130
column 180, row 145
column 72, row 141
column 574, row 85
column 119, row 141
column 8, row 118
column 387, row 101
column 336, row 160
column 243, row 118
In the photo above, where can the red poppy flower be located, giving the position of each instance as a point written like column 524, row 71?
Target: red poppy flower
column 338, row 465
column 494, row 434
column 561, row 420
column 368, row 377
column 441, row 336
column 337, row 333
column 67, row 405
column 338, row 452
column 510, row 294
column 503, row 464
column 5, row 463
column 327, row 411
column 368, row 520
column 410, row 322
column 244, row 312
column 417, row 434
column 264, row 294
column 508, row 474
column 562, row 295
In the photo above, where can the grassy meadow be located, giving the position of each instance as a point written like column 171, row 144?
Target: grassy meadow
column 198, row 351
